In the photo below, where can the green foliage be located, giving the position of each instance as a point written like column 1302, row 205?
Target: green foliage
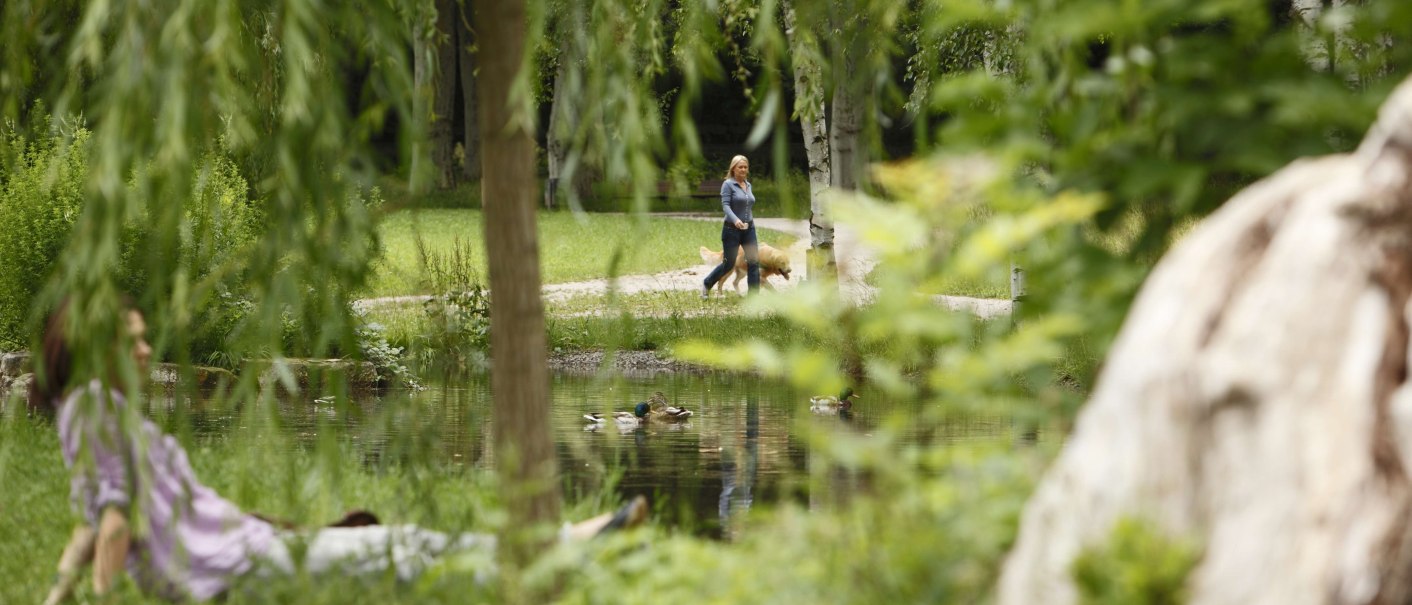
column 909, row 541
column 614, row 55
column 373, row 347
column 1167, row 106
column 924, row 233
column 1164, row 109
column 167, row 84
column 1138, row 565
column 400, row 197
column 41, row 197
column 220, row 223
column 456, row 335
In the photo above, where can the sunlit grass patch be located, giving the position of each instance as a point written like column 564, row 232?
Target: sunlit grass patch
column 994, row 284
column 571, row 247
column 662, row 303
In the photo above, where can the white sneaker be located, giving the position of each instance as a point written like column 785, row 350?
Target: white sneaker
column 705, row 292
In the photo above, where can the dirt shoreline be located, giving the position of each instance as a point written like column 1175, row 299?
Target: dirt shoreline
column 626, row 363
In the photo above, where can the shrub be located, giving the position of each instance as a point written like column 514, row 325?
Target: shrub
column 40, row 199
column 457, row 334
column 1138, row 565
column 220, row 224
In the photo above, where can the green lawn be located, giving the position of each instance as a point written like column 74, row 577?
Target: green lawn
column 308, row 484
column 994, row 284
column 572, row 247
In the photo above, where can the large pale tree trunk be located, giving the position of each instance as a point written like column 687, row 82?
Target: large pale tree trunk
column 809, row 107
column 465, row 43
column 519, row 378
column 1257, row 398
column 442, row 140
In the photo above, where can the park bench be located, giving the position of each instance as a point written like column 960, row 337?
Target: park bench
column 704, row 189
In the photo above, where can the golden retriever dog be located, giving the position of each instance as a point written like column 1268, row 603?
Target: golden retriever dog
column 772, row 262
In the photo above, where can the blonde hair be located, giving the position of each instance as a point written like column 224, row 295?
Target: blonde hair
column 736, row 161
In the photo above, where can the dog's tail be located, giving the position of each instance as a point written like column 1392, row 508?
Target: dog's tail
column 709, row 256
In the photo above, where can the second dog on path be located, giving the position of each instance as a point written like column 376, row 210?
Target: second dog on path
column 772, row 262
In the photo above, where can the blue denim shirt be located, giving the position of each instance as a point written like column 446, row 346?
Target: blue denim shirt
column 736, row 201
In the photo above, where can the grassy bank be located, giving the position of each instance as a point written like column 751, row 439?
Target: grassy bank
column 572, row 247
column 259, row 471
column 942, row 529
column 640, row 322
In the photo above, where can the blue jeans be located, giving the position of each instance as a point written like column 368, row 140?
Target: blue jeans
column 733, row 239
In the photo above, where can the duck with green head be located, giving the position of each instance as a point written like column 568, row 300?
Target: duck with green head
column 628, row 419
column 661, row 412
column 824, row 404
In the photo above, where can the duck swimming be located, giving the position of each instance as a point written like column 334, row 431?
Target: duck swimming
column 824, row 404
column 625, row 419
column 661, row 412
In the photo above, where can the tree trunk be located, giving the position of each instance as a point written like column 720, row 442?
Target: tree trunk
column 519, row 376
column 1257, row 398
column 845, row 134
column 442, row 140
column 1318, row 50
column 422, row 93
column 845, row 137
column 465, row 44
column 809, row 107
column 557, row 150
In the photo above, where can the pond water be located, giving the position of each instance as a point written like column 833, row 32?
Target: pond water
column 745, row 444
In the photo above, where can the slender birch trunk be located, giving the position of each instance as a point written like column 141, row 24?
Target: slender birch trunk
column 809, row 108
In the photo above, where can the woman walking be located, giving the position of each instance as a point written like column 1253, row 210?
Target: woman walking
column 738, row 231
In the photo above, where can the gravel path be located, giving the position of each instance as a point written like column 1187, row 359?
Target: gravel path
column 855, row 261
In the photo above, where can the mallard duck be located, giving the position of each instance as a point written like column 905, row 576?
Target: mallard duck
column 628, row 419
column 824, row 404
column 662, row 412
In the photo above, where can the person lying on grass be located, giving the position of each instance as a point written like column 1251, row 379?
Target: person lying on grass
column 186, row 542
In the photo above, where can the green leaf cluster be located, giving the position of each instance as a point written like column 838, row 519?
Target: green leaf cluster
column 41, row 196
column 1137, row 565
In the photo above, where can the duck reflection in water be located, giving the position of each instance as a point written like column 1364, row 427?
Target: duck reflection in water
column 738, row 476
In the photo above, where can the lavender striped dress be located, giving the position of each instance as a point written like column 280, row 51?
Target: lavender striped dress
column 192, row 542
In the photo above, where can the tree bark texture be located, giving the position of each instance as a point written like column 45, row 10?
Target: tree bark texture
column 422, row 69
column 557, row 149
column 845, row 131
column 442, row 139
column 1257, row 398
column 519, row 376
column 466, row 60
column 809, row 107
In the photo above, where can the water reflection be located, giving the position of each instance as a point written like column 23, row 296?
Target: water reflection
column 744, row 445
column 738, row 469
